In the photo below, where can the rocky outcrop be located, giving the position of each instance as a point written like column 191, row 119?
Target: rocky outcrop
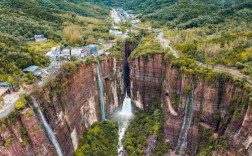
column 113, row 82
column 70, row 104
column 146, row 81
column 220, row 103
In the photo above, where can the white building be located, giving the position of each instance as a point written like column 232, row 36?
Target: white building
column 76, row 51
column 40, row 38
column 115, row 32
column 53, row 53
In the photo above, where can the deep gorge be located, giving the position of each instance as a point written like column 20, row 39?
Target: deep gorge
column 70, row 103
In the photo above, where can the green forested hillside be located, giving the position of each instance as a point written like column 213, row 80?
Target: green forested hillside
column 217, row 32
column 147, row 6
column 21, row 19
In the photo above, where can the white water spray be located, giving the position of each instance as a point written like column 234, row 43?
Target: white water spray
column 124, row 117
column 101, row 90
column 48, row 129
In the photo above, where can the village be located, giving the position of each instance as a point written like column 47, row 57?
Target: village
column 57, row 55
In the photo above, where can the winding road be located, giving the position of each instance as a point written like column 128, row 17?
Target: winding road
column 165, row 44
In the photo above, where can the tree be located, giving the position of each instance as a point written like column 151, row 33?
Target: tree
column 90, row 39
column 21, row 103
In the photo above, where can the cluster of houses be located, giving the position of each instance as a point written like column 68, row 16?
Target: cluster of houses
column 33, row 69
column 56, row 53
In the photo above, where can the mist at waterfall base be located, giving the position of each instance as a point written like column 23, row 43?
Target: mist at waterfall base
column 48, row 129
column 123, row 117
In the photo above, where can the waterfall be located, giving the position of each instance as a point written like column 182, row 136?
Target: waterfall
column 124, row 117
column 48, row 129
column 182, row 142
column 126, row 108
column 101, row 90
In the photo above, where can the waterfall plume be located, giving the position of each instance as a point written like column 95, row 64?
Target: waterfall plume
column 48, row 129
column 101, row 90
column 124, row 117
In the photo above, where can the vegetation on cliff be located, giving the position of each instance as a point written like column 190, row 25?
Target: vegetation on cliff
column 144, row 126
column 213, row 32
column 117, row 50
column 229, row 46
column 208, row 143
column 100, row 139
column 148, row 45
column 211, row 76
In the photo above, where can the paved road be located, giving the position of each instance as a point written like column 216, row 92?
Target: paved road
column 10, row 100
column 115, row 17
column 165, row 44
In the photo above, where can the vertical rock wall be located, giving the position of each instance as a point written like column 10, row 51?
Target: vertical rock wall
column 21, row 135
column 70, row 104
column 220, row 104
column 146, row 81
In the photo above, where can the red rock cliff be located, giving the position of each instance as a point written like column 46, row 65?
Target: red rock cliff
column 21, row 135
column 221, row 106
column 70, row 104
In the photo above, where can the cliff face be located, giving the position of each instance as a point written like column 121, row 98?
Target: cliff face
column 146, row 81
column 113, row 83
column 70, row 104
column 219, row 105
column 21, row 135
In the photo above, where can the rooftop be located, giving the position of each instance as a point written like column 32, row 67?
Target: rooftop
column 4, row 84
column 39, row 36
column 31, row 69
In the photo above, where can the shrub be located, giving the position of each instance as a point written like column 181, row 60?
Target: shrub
column 68, row 68
column 21, row 103
column 100, row 139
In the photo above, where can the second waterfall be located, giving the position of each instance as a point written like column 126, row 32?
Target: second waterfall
column 48, row 129
column 101, row 90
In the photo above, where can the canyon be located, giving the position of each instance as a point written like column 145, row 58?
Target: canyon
column 70, row 104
